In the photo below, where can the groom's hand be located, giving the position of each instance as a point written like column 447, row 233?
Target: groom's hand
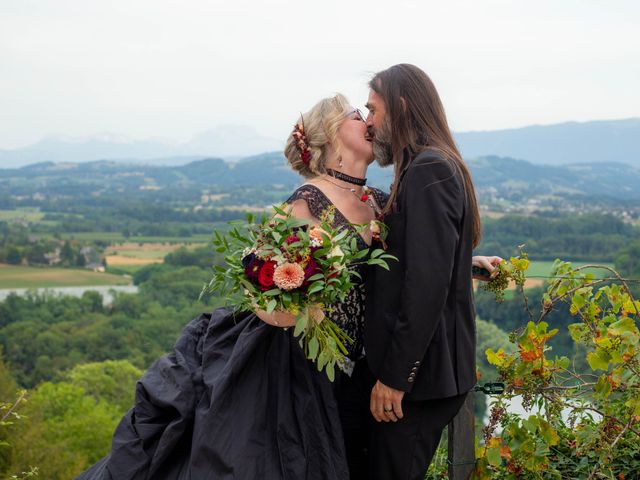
column 386, row 403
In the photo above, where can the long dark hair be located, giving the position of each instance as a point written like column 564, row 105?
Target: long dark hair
column 416, row 118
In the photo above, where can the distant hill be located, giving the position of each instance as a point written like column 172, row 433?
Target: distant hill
column 230, row 141
column 493, row 175
column 560, row 144
column 512, row 178
column 509, row 177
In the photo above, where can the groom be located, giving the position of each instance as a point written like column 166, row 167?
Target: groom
column 420, row 320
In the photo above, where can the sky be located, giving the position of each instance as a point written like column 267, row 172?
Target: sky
column 170, row 69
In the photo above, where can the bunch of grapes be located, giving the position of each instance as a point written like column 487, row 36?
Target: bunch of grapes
column 506, row 271
column 497, row 412
column 498, row 282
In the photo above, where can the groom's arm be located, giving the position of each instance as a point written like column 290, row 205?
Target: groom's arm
column 433, row 208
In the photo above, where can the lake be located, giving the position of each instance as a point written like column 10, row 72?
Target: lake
column 104, row 290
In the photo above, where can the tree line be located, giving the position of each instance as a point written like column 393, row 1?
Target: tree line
column 589, row 237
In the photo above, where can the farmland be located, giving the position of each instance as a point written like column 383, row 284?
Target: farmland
column 12, row 276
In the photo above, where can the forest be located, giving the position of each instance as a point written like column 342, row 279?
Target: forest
column 77, row 359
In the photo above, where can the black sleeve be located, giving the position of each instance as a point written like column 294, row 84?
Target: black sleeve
column 433, row 204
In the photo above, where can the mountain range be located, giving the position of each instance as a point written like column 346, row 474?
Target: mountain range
column 493, row 176
column 227, row 141
column 559, row 144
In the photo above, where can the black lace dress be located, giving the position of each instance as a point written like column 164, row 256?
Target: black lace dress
column 236, row 399
column 348, row 315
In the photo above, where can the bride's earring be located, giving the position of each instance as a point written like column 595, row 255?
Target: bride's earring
column 340, row 163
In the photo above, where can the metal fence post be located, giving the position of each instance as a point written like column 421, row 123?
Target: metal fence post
column 462, row 453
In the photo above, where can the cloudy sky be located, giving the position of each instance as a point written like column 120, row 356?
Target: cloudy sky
column 170, row 69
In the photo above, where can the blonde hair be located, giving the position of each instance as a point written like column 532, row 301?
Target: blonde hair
column 321, row 125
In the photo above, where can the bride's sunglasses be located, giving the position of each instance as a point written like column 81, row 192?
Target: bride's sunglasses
column 358, row 113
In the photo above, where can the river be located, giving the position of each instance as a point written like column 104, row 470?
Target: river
column 104, row 290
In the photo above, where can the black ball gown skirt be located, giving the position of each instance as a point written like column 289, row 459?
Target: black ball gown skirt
column 236, row 399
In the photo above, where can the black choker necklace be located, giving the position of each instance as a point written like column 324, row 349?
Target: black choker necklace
column 361, row 182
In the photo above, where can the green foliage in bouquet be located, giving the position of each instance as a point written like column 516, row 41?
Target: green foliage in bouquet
column 580, row 422
column 285, row 264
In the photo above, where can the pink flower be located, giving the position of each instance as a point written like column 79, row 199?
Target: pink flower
column 288, row 276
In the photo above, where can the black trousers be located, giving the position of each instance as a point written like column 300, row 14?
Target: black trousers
column 390, row 451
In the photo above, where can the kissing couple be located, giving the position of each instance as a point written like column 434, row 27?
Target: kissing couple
column 237, row 399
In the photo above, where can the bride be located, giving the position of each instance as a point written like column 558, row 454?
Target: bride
column 237, row 399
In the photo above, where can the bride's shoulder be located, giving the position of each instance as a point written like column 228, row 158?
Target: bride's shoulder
column 307, row 201
column 311, row 194
column 303, row 192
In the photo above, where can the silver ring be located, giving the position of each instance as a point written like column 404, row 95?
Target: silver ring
column 388, row 411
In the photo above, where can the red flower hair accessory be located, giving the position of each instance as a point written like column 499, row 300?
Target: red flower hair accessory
column 301, row 141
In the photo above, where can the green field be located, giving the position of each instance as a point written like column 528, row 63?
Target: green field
column 117, row 237
column 543, row 268
column 130, row 254
column 32, row 277
column 27, row 214
column 144, row 254
column 125, row 269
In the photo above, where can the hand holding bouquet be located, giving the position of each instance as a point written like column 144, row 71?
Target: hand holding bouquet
column 285, row 264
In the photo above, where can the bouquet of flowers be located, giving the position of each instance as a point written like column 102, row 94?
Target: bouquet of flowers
column 284, row 264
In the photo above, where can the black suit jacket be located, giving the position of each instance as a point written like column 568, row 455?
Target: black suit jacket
column 420, row 320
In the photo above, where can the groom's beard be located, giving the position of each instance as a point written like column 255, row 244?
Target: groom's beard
column 382, row 153
column 382, row 145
